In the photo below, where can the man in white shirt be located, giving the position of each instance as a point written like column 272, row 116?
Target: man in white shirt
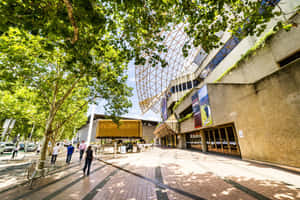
column 54, row 154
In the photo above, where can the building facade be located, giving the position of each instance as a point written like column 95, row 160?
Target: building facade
column 148, row 128
column 245, row 100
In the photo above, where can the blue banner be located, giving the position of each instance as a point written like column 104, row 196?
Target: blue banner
column 196, row 111
column 204, row 106
column 164, row 112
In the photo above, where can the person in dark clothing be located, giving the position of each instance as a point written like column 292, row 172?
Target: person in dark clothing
column 15, row 152
column 88, row 160
column 69, row 153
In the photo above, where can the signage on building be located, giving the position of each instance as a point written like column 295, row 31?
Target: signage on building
column 241, row 134
column 204, row 106
column 196, row 111
column 164, row 108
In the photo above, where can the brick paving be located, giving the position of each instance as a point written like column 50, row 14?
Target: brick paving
column 164, row 174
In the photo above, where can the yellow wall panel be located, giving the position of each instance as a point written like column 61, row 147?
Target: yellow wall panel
column 127, row 129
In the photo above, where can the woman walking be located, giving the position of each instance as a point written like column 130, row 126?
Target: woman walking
column 88, row 160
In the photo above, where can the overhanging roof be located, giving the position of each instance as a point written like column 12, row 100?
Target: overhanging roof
column 163, row 130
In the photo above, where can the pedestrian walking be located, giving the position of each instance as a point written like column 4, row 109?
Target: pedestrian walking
column 82, row 148
column 15, row 152
column 38, row 149
column 70, row 151
column 54, row 154
column 88, row 160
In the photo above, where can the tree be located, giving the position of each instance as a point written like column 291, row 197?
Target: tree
column 22, row 104
column 58, row 46
column 62, row 90
column 17, row 103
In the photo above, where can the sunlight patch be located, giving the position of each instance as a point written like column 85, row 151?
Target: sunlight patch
column 283, row 196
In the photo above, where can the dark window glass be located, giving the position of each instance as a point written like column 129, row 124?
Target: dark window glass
column 184, row 86
column 207, row 137
column 211, row 138
column 173, row 89
column 223, row 138
column 189, row 84
column 196, row 82
column 231, row 137
column 218, row 140
column 269, row 2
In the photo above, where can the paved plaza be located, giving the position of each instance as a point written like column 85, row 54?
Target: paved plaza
column 163, row 174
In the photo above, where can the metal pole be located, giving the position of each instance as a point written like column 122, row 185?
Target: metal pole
column 5, row 127
column 31, row 132
column 11, row 126
column 88, row 141
column 73, row 136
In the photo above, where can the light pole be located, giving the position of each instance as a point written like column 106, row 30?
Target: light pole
column 88, row 141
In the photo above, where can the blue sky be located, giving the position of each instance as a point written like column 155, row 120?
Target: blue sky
column 134, row 111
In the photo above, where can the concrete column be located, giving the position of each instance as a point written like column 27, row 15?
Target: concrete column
column 182, row 141
column 175, row 141
column 203, row 140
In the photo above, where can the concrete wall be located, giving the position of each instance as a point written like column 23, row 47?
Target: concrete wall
column 248, row 72
column 148, row 135
column 288, row 6
column 185, row 103
column 267, row 112
column 181, row 142
column 279, row 50
column 264, row 62
column 187, row 125
column 83, row 132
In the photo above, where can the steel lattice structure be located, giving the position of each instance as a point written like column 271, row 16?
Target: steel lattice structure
column 152, row 82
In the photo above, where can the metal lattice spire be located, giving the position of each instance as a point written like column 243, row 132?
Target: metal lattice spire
column 152, row 82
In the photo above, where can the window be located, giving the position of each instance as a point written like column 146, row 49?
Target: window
column 224, row 139
column 172, row 90
column 189, row 84
column 200, row 57
column 289, row 59
column 231, row 137
column 269, row 2
column 184, row 86
column 196, row 82
column 218, row 140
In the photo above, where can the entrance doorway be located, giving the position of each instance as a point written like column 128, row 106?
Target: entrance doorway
column 223, row 140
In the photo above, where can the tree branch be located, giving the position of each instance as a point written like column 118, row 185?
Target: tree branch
column 70, row 116
column 72, row 20
column 69, row 91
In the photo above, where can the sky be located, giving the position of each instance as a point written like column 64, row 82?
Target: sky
column 134, row 111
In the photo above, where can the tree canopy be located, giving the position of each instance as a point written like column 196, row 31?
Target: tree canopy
column 71, row 52
column 129, row 28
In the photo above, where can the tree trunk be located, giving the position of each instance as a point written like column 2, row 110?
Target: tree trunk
column 43, row 152
column 53, row 143
column 48, row 132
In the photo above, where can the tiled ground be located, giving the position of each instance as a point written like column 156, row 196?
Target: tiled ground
column 164, row 174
